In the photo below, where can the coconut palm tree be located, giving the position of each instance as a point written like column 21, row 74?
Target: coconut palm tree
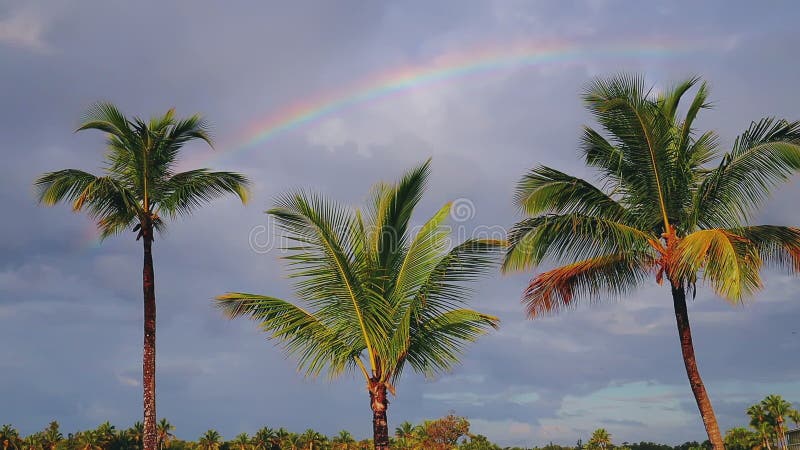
column 759, row 421
column 669, row 207
column 9, row 437
column 210, row 440
column 242, row 441
column 405, row 435
column 164, row 431
column 777, row 408
column 600, row 439
column 292, row 441
column 794, row 416
column 90, row 440
column 139, row 186
column 378, row 297
column 51, row 436
column 343, row 441
column 312, row 439
column 264, row 439
column 136, row 432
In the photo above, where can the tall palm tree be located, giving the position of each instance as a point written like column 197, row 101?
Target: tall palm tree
column 669, row 207
column 139, row 186
column 378, row 297
column 210, row 440
column 164, row 431
column 777, row 408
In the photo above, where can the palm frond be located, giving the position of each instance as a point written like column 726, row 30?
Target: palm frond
column 729, row 262
column 569, row 237
column 184, row 192
column 767, row 154
column 777, row 246
column 607, row 276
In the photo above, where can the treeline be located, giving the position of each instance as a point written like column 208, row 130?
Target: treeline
column 451, row 432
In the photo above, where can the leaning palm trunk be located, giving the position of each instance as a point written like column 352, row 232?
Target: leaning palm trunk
column 687, row 349
column 150, row 436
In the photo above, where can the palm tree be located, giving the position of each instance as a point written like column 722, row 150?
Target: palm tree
column 9, row 437
column 741, row 438
column 136, row 432
column 794, row 416
column 664, row 210
column 210, row 440
column 404, row 434
column 51, row 436
column 138, row 187
column 313, row 439
column 292, row 441
column 600, row 439
column 777, row 408
column 90, row 440
column 378, row 297
column 264, row 439
column 242, row 441
column 164, row 431
column 343, row 441
column 759, row 422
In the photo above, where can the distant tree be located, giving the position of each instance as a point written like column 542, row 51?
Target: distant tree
column 741, row 438
column 265, row 439
column 9, row 437
column 777, row 408
column 343, row 441
column 210, row 440
column 478, row 442
column 794, row 416
column 444, row 433
column 51, row 436
column 241, row 442
column 601, row 439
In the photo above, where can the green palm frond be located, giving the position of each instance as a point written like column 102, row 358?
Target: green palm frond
column 767, row 154
column 569, row 237
column 777, row 246
column 548, row 191
column 184, row 192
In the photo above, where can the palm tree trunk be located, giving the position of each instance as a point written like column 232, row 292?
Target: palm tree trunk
column 149, row 436
column 379, row 403
column 687, row 348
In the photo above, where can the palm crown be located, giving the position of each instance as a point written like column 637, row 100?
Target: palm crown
column 378, row 296
column 665, row 207
column 140, row 181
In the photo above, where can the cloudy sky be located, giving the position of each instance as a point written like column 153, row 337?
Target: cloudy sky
column 70, row 310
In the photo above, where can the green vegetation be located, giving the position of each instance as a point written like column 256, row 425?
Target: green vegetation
column 670, row 208
column 378, row 297
column 138, row 187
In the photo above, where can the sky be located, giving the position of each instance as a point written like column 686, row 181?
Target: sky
column 71, row 308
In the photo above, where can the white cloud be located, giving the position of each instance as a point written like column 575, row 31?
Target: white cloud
column 24, row 28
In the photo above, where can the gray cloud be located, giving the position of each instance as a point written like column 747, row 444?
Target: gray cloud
column 71, row 309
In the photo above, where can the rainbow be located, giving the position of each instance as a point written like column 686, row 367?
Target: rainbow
column 487, row 58
column 445, row 67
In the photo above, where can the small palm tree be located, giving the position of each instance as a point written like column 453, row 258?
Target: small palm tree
column 759, row 421
column 164, row 431
column 665, row 211
column 51, row 436
column 90, row 440
column 777, row 408
column 292, row 441
column 242, row 441
column 794, row 416
column 136, row 432
column 210, row 440
column 264, row 439
column 9, row 437
column 601, row 439
column 343, row 441
column 139, row 186
column 312, row 439
column 379, row 298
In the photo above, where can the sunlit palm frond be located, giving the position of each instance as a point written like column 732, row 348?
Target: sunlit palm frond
column 777, row 246
column 593, row 279
column 729, row 262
